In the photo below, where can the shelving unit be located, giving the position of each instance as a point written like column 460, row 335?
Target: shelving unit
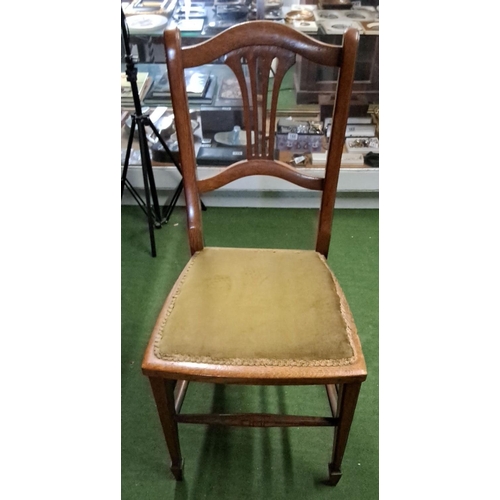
column 358, row 186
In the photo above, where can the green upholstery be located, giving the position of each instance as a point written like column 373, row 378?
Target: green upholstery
column 257, row 307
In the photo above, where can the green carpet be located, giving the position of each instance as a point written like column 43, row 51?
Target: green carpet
column 245, row 463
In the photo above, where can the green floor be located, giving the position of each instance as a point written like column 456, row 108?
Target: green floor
column 245, row 463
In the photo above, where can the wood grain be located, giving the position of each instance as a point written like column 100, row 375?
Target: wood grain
column 246, row 168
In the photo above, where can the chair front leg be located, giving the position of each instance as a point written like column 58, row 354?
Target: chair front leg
column 163, row 392
column 348, row 397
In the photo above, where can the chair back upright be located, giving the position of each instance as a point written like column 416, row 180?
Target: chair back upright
column 252, row 50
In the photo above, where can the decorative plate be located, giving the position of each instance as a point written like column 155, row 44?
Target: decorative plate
column 299, row 15
column 147, row 23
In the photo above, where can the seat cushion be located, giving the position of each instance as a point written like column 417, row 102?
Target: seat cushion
column 257, row 307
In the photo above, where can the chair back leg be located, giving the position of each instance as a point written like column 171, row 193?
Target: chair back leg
column 347, row 398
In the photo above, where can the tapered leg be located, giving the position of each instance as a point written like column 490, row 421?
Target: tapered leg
column 348, row 397
column 163, row 392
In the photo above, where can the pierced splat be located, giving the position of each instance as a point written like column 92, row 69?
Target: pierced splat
column 254, row 45
column 254, row 91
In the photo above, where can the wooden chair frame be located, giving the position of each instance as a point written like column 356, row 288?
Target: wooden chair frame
column 257, row 44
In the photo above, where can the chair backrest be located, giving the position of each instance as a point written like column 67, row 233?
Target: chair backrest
column 260, row 45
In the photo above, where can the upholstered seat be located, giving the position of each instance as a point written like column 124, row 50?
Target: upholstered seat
column 257, row 307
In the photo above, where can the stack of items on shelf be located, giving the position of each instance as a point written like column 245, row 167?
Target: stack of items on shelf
column 361, row 139
column 310, row 140
column 227, row 13
column 371, row 158
column 273, row 10
column 190, row 16
column 194, row 10
column 144, row 82
column 361, row 134
column 333, row 17
column 373, row 112
column 335, row 21
column 299, row 136
column 200, row 87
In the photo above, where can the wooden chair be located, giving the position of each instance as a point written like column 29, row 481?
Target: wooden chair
column 257, row 316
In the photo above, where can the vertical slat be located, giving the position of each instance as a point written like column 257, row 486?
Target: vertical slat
column 285, row 61
column 233, row 60
column 252, row 71
column 254, row 95
column 264, row 70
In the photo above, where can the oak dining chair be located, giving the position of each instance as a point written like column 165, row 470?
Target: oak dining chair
column 248, row 315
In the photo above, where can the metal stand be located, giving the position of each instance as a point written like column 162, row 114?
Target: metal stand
column 139, row 120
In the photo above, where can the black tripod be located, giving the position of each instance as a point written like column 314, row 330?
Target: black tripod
column 155, row 217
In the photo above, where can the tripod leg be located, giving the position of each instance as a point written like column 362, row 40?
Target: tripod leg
column 146, row 179
column 168, row 211
column 146, row 163
column 127, row 153
column 173, row 202
column 150, row 215
column 163, row 143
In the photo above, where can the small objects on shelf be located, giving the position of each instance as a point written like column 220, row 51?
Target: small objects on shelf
column 299, row 160
column 334, row 4
column 371, row 159
column 299, row 136
column 357, row 126
column 143, row 84
column 235, row 137
column 299, row 15
column 362, row 144
column 360, row 130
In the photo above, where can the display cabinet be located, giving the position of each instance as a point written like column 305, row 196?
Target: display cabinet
column 308, row 96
